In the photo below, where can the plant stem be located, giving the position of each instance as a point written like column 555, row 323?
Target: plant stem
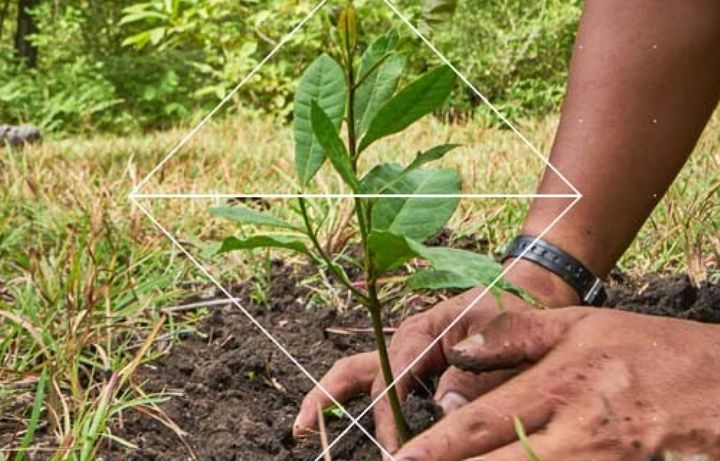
column 392, row 396
column 364, row 223
column 324, row 256
column 352, row 136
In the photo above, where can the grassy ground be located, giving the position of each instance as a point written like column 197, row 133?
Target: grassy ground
column 84, row 276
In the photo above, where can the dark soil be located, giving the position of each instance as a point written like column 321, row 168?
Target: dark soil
column 673, row 296
column 237, row 395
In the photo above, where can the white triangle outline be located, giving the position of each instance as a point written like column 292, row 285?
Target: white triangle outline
column 136, row 194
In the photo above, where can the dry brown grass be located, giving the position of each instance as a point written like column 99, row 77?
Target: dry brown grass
column 83, row 275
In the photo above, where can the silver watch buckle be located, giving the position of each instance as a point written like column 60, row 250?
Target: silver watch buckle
column 593, row 292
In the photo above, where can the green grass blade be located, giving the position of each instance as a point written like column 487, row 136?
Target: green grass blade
column 520, row 430
column 34, row 416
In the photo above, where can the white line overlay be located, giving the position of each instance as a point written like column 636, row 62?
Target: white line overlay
column 230, row 95
column 343, row 196
column 255, row 322
column 482, row 97
column 462, row 314
column 135, row 196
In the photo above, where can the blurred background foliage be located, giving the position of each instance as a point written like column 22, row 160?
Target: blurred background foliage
column 82, row 66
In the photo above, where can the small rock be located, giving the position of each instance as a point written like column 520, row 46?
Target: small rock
column 19, row 135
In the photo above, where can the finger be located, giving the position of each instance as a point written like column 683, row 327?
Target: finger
column 411, row 341
column 517, row 451
column 514, row 339
column 347, row 377
column 457, row 388
column 561, row 445
column 484, row 424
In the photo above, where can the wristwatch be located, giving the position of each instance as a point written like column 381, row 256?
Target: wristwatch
column 589, row 287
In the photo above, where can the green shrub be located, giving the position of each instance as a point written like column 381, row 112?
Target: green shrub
column 86, row 81
column 515, row 52
column 153, row 64
column 65, row 91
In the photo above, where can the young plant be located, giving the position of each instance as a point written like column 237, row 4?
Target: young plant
column 360, row 92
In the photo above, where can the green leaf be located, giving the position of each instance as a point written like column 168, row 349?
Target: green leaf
column 451, row 268
column 324, row 83
column 439, row 280
column 377, row 51
column 415, row 218
column 334, row 411
column 437, row 12
column 384, row 176
column 436, row 153
column 389, row 251
column 264, row 241
column 381, row 177
column 379, row 74
column 413, row 102
column 333, row 146
column 245, row 215
column 454, row 268
column 376, row 90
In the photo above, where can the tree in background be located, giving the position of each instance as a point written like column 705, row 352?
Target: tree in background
column 4, row 11
column 25, row 49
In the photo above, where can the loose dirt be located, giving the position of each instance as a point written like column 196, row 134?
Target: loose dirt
column 236, row 395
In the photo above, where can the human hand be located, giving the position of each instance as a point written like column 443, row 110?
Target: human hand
column 604, row 385
column 361, row 373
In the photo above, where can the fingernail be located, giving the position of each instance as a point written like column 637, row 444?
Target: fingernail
column 299, row 429
column 474, row 341
column 451, row 401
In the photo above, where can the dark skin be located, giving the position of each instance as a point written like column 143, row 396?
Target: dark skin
column 644, row 79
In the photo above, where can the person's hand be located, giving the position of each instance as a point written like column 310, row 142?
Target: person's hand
column 603, row 385
column 360, row 373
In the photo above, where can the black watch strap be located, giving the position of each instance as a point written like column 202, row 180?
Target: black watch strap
column 588, row 286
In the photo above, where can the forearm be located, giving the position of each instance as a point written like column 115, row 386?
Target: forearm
column 644, row 79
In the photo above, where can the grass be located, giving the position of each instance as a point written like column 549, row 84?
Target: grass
column 84, row 277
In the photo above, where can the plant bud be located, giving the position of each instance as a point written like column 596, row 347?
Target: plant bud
column 347, row 25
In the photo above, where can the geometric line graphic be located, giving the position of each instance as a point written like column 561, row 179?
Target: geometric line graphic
column 575, row 193
column 449, row 327
column 136, row 196
column 252, row 319
column 220, row 196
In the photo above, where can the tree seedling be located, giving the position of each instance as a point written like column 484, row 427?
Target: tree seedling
column 359, row 91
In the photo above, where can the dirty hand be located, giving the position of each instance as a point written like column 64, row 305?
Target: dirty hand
column 603, row 385
column 361, row 373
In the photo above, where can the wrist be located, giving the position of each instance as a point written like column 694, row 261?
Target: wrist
column 547, row 288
